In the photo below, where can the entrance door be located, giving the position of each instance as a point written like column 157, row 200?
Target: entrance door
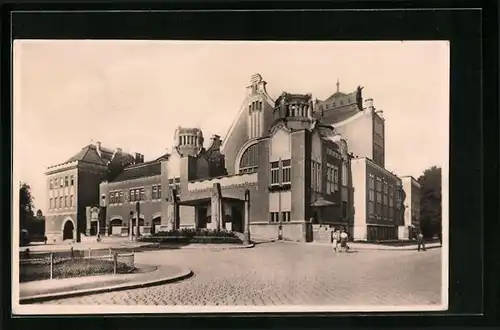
column 68, row 230
column 237, row 219
column 201, row 217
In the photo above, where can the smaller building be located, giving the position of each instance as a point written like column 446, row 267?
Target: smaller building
column 377, row 201
column 411, row 227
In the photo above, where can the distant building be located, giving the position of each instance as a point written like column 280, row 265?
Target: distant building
column 308, row 165
column 412, row 207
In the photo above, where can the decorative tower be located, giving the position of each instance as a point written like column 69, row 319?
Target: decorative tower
column 188, row 141
column 295, row 109
column 256, row 96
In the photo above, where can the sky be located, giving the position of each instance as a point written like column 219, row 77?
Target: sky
column 133, row 94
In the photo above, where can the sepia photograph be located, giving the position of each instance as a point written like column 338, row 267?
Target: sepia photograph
column 162, row 176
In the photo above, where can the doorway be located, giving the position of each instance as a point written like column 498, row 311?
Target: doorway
column 201, row 218
column 237, row 219
column 68, row 230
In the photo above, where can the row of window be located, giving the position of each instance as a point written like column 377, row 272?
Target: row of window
column 62, row 182
column 285, row 216
column 341, row 103
column 380, row 211
column 315, row 176
column 332, row 178
column 61, row 202
column 281, row 172
column 256, row 105
column 249, row 161
column 139, row 194
column 188, row 140
column 297, row 111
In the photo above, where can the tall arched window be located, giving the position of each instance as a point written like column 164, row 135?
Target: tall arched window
column 249, row 161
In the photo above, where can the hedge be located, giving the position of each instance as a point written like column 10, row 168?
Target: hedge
column 68, row 268
column 192, row 232
column 191, row 240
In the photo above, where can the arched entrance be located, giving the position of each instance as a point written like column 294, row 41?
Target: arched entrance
column 68, row 230
column 115, row 227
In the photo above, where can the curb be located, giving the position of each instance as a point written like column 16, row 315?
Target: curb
column 364, row 248
column 182, row 275
column 237, row 247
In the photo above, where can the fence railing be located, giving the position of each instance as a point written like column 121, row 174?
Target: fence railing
column 74, row 263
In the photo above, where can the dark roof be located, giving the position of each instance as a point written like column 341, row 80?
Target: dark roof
column 89, row 155
column 336, row 95
column 163, row 157
column 142, row 170
column 333, row 116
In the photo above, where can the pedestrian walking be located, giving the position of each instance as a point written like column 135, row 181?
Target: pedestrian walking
column 420, row 241
column 343, row 241
column 336, row 237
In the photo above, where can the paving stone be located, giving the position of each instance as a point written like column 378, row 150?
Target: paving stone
column 287, row 274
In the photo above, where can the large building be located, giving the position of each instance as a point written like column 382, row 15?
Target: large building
column 308, row 164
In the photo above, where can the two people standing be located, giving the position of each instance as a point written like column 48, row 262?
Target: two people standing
column 340, row 238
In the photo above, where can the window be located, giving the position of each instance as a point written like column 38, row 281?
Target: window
column 333, row 104
column 65, row 201
column 132, row 195
column 72, row 180
column 71, row 200
column 154, row 194
column 371, row 195
column 286, row 216
column 274, row 217
column 66, row 181
column 335, row 178
column 111, row 198
column 141, row 191
column 249, row 161
column 159, row 191
column 61, row 182
column 329, row 179
column 275, row 168
column 371, row 208
column 51, row 184
column 60, row 202
column 316, row 176
column 286, row 171
column 51, row 203
column 344, row 174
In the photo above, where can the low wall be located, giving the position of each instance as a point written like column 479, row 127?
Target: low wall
column 291, row 231
column 322, row 233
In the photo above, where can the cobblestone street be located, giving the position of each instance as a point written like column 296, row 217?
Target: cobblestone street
column 288, row 274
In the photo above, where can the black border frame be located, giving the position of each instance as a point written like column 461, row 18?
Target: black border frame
column 473, row 125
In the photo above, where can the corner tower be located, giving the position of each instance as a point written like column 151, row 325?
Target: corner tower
column 188, row 141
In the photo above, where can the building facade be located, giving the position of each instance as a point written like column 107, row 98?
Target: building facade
column 411, row 208
column 307, row 164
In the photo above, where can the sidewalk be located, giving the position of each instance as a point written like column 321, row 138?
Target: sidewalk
column 36, row 291
column 354, row 245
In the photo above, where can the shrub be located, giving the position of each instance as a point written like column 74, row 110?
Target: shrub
column 192, row 232
column 66, row 268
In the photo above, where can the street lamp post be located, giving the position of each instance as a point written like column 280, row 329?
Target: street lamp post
column 138, row 213
column 246, row 232
column 131, row 225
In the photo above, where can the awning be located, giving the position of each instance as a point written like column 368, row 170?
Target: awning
column 321, row 202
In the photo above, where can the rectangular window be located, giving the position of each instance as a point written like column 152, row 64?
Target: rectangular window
column 286, row 171
column 132, row 195
column 65, row 201
column 50, row 203
column 121, row 197
column 142, row 194
column 275, row 168
column 72, row 180
column 154, row 194
column 286, row 216
column 66, row 181
column 61, row 182
column 71, row 201
column 60, row 202
column 335, row 178
column 51, row 184
column 371, row 195
column 371, row 208
column 111, row 198
column 344, row 174
column 274, row 217
column 159, row 191
column 330, row 178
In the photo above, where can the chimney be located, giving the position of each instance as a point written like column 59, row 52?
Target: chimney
column 369, row 104
column 380, row 113
column 118, row 150
column 139, row 158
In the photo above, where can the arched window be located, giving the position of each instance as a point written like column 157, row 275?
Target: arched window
column 249, row 161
